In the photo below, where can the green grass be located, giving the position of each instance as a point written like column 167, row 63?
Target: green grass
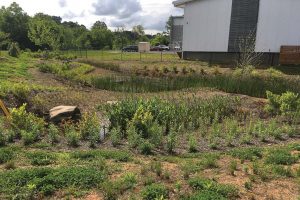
column 120, row 156
column 23, row 183
column 125, row 56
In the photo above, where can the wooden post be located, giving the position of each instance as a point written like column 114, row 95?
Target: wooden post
column 140, row 56
column 86, row 56
column 161, row 56
column 5, row 111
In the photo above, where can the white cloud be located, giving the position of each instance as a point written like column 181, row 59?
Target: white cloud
column 152, row 14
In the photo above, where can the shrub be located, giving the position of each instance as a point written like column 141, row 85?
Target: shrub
column 28, row 137
column 205, row 195
column 89, row 125
column 247, row 153
column 209, row 161
column 48, row 180
column 280, row 157
column 171, row 142
column 53, row 132
column 41, row 158
column 115, row 137
column 6, row 154
column 73, row 136
column 285, row 104
column 146, row 147
column 155, row 191
column 233, row 167
column 227, row 191
column 14, row 50
column 156, row 167
column 192, row 144
column 134, row 138
column 21, row 120
column 2, row 138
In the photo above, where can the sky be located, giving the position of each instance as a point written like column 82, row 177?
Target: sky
column 152, row 14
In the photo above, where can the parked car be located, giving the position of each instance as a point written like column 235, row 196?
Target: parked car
column 160, row 48
column 177, row 48
column 131, row 48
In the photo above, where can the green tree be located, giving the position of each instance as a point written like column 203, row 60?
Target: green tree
column 139, row 30
column 101, row 36
column 169, row 25
column 45, row 32
column 4, row 39
column 160, row 38
column 14, row 21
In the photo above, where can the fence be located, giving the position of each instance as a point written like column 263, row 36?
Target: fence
column 290, row 55
column 124, row 56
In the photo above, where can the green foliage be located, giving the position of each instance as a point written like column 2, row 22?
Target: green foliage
column 280, row 157
column 14, row 50
column 53, row 133
column 72, row 135
column 155, row 191
column 121, row 156
column 115, row 137
column 250, row 154
column 49, row 180
column 285, row 104
column 146, row 147
column 156, row 167
column 3, row 137
column 89, row 126
column 233, row 167
column 27, row 123
column 171, row 142
column 192, row 144
column 40, row 158
column 28, row 137
column 205, row 195
column 6, row 154
column 227, row 191
column 209, row 161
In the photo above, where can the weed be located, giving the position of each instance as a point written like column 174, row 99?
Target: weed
column 250, row 154
column 171, row 142
column 89, row 126
column 10, row 165
column 192, row 144
column 53, row 132
column 200, row 184
column 209, row 161
column 115, row 137
column 156, row 167
column 6, row 154
column 233, row 167
column 248, row 185
column 146, row 147
column 155, row 191
column 73, row 136
column 280, row 157
column 41, row 158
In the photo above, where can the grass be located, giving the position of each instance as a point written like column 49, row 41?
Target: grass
column 26, row 182
column 120, row 156
column 124, row 56
column 252, row 86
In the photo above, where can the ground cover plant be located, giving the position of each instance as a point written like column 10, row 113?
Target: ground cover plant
column 192, row 144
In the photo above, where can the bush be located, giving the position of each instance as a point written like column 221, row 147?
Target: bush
column 155, row 191
column 192, row 144
column 121, row 156
column 53, row 132
column 41, row 158
column 146, row 147
column 247, row 153
column 171, row 142
column 89, row 125
column 14, row 50
column 2, row 138
column 73, row 136
column 48, row 180
column 285, row 104
column 115, row 137
column 28, row 137
column 227, row 191
column 31, row 125
column 6, row 154
column 280, row 157
column 205, row 195
column 156, row 167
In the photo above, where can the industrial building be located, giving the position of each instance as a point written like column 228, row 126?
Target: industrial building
column 212, row 29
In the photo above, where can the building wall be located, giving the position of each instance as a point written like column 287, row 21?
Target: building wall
column 206, row 25
column 278, row 24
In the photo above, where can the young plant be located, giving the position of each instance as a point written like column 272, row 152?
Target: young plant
column 73, row 136
column 192, row 144
column 115, row 137
column 53, row 132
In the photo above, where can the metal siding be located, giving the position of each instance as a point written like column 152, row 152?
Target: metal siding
column 278, row 25
column 206, row 25
column 244, row 17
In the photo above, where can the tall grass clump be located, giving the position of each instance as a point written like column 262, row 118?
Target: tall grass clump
column 104, row 65
column 248, row 85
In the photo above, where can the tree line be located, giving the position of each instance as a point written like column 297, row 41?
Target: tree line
column 43, row 31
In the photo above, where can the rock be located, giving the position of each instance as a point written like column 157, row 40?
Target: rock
column 64, row 113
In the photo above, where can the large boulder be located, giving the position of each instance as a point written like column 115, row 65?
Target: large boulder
column 64, row 113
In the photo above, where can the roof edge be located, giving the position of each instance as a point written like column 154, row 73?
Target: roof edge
column 181, row 3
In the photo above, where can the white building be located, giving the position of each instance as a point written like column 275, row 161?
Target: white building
column 212, row 28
